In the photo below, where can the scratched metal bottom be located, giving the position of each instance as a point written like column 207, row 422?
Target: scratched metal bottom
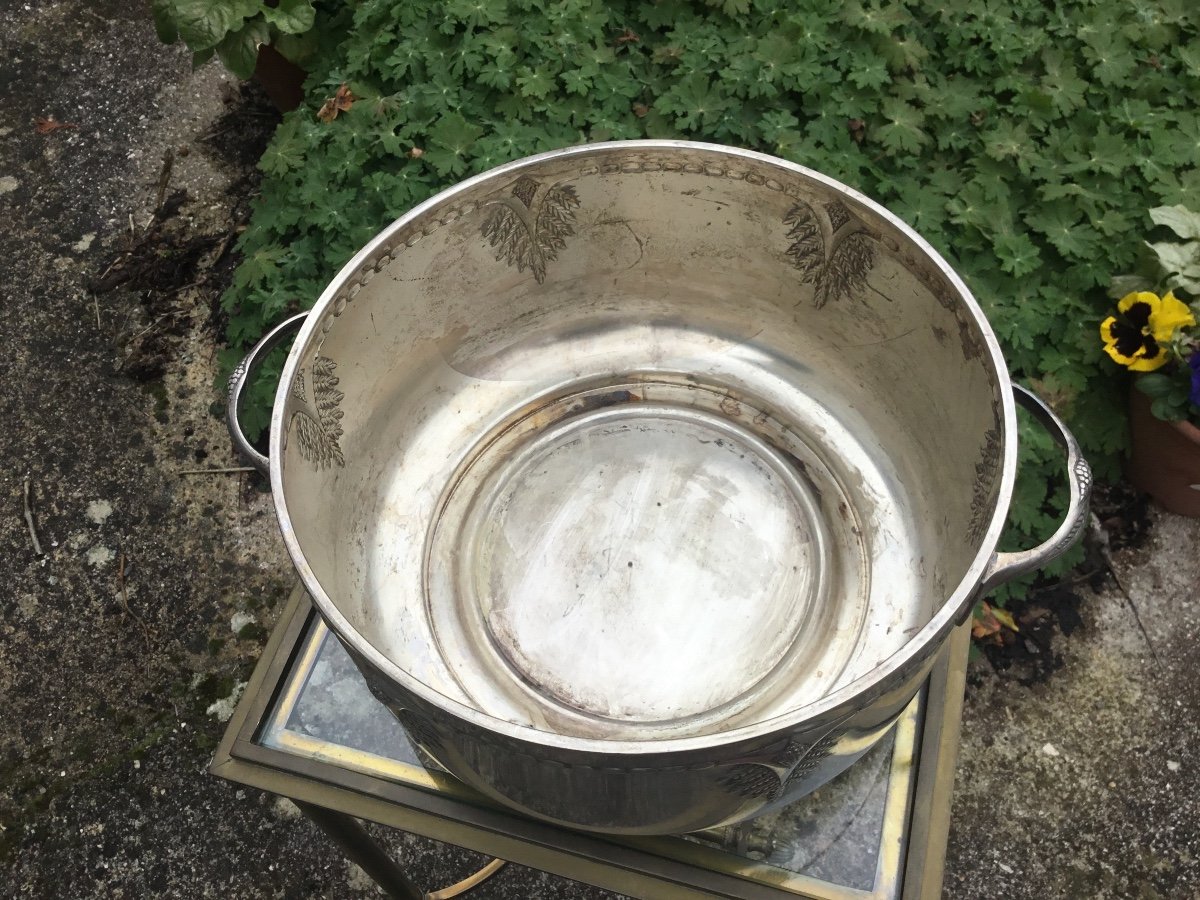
column 653, row 556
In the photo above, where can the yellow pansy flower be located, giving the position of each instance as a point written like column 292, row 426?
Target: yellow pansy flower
column 1145, row 323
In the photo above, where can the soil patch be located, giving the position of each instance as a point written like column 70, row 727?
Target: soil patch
column 1052, row 608
column 156, row 265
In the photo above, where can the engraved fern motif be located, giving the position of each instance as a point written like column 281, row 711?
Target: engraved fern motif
column 419, row 729
column 986, row 471
column 813, row 759
column 831, row 247
column 318, row 436
column 771, row 779
column 753, row 782
column 529, row 227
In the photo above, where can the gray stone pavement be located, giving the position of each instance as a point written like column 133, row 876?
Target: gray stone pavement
column 118, row 639
column 1087, row 785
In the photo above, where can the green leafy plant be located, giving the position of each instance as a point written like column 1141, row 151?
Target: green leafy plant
column 233, row 30
column 1156, row 336
column 1021, row 139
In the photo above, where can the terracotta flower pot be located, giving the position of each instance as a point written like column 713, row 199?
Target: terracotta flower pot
column 1164, row 459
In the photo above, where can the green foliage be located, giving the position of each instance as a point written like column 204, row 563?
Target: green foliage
column 234, row 29
column 1168, row 396
column 1024, row 140
column 1179, row 262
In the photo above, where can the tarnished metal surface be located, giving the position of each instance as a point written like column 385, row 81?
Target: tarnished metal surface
column 645, row 478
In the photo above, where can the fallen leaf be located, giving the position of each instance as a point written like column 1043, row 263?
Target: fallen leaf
column 985, row 624
column 338, row 103
column 990, row 622
column 47, row 124
column 1004, row 617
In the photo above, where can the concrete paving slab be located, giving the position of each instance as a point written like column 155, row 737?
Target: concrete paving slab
column 1087, row 785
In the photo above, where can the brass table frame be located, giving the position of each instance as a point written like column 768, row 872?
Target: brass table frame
column 335, row 786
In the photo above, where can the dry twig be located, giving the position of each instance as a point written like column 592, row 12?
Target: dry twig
column 182, row 288
column 1106, row 554
column 164, row 179
column 226, row 471
column 48, row 124
column 121, row 582
column 129, row 613
column 222, row 247
column 37, row 545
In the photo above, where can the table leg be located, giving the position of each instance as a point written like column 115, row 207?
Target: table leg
column 362, row 849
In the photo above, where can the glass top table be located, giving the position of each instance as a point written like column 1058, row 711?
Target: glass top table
column 307, row 727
